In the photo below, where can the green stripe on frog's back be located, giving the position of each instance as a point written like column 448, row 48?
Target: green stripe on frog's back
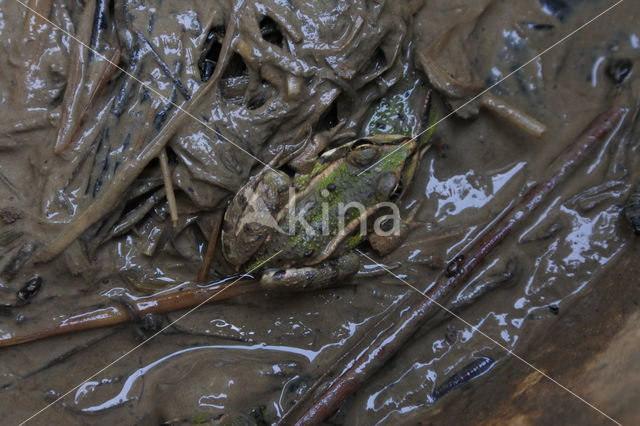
column 345, row 185
column 399, row 113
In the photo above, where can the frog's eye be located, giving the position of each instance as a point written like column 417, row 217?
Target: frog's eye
column 387, row 186
column 363, row 155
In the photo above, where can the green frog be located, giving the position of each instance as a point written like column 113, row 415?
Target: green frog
column 301, row 232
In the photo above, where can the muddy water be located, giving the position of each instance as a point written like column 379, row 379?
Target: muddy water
column 265, row 349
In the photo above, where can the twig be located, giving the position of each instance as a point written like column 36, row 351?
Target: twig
column 165, row 68
column 380, row 343
column 513, row 115
column 137, row 214
column 100, row 25
column 211, row 248
column 29, row 120
column 108, row 71
column 74, row 94
column 118, row 313
column 105, row 75
column 126, row 175
column 168, row 186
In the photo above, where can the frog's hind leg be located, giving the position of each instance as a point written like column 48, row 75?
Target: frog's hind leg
column 311, row 277
column 385, row 243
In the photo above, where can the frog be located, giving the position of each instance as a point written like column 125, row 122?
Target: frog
column 300, row 232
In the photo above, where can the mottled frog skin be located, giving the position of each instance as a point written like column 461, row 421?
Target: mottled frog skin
column 304, row 229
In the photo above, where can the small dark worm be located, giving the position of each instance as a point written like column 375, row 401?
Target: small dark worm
column 28, row 290
column 632, row 210
column 538, row 27
column 475, row 368
column 494, row 281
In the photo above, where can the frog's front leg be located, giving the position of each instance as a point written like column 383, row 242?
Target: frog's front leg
column 385, row 244
column 311, row 277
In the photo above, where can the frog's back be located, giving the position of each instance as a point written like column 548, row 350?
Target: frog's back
column 330, row 217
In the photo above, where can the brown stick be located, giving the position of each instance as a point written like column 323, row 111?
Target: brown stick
column 513, row 115
column 98, row 87
column 125, row 176
column 168, row 186
column 109, row 69
column 74, row 95
column 29, row 120
column 114, row 314
column 385, row 338
column 211, row 248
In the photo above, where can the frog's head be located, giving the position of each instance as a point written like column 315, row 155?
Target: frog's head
column 386, row 161
column 389, row 160
column 393, row 154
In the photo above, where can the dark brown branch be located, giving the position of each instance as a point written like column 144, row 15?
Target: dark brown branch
column 125, row 177
column 385, row 338
column 118, row 313
column 168, row 187
column 211, row 248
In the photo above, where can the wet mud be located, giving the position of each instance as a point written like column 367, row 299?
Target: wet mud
column 85, row 216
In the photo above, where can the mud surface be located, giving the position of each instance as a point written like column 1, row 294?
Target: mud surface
column 84, row 206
